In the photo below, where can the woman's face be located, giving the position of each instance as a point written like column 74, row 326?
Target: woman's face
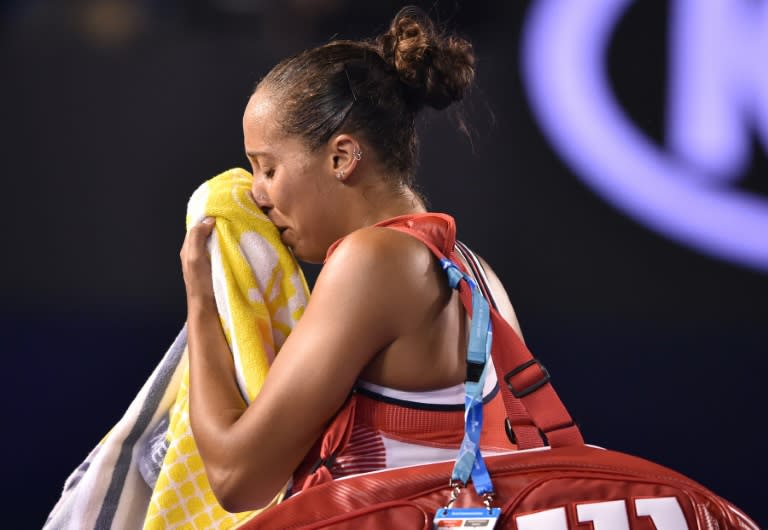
column 297, row 188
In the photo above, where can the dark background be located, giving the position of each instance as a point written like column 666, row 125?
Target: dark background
column 113, row 111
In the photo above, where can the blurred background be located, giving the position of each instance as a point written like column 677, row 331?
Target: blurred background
column 650, row 318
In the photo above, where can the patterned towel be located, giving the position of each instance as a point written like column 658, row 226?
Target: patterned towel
column 146, row 472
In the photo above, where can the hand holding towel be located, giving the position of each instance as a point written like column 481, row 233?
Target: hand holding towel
column 147, row 472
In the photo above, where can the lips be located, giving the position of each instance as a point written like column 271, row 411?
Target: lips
column 282, row 230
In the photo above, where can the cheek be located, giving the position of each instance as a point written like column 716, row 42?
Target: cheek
column 310, row 202
column 316, row 224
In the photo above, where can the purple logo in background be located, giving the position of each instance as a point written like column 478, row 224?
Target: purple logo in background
column 718, row 93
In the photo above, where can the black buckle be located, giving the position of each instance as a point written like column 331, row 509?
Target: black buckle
column 544, row 438
column 328, row 462
column 511, row 433
column 474, row 371
column 532, row 387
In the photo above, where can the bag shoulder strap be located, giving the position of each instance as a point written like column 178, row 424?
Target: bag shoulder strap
column 522, row 377
column 520, row 428
column 529, row 397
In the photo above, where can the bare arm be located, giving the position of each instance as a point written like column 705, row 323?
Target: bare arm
column 361, row 301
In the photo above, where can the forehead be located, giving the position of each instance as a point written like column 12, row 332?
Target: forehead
column 260, row 120
column 262, row 132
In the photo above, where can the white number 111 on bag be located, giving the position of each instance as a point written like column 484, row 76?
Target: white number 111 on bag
column 665, row 512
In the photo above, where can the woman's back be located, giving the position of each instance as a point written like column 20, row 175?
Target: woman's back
column 429, row 351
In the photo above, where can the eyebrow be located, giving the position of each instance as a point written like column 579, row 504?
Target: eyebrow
column 255, row 154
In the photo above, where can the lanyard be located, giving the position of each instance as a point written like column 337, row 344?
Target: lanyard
column 470, row 461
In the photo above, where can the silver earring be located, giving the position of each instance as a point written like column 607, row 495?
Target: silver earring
column 340, row 174
column 357, row 154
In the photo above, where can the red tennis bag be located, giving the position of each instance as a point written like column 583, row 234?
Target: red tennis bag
column 557, row 489
column 553, row 482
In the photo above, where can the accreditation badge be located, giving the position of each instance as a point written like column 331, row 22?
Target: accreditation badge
column 484, row 518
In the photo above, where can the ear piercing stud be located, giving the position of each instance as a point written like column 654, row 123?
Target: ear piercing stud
column 357, row 154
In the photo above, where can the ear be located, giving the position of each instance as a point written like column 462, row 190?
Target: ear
column 346, row 154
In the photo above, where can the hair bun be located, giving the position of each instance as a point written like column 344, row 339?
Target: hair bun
column 436, row 68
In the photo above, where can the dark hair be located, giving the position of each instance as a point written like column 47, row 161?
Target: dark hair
column 374, row 87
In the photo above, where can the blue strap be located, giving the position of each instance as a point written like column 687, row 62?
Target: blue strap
column 469, row 461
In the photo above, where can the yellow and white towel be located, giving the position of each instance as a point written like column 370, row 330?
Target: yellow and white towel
column 147, row 472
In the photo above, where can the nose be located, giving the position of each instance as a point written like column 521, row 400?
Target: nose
column 260, row 195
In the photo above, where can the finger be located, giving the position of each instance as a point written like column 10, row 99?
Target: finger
column 205, row 227
column 197, row 238
column 202, row 231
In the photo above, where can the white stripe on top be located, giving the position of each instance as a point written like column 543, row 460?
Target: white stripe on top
column 453, row 395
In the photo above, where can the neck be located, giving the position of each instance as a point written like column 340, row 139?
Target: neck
column 385, row 203
column 373, row 199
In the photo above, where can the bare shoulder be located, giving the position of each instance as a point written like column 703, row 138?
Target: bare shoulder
column 386, row 268
column 382, row 246
column 502, row 298
column 381, row 254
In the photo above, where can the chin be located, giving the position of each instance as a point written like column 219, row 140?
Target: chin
column 313, row 256
column 314, row 260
